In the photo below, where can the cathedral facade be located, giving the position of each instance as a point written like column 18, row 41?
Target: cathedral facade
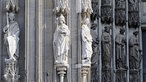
column 72, row 41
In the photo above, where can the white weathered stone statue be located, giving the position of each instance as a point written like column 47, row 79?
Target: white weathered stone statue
column 86, row 41
column 61, row 41
column 11, row 37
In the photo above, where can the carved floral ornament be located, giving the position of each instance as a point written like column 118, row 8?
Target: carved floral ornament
column 133, row 13
column 12, row 5
column 106, row 12
column 61, row 7
column 120, row 12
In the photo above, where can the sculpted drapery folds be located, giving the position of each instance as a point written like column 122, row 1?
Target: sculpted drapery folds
column 134, row 51
column 106, row 48
column 61, row 41
column 120, row 49
column 11, row 37
column 86, row 41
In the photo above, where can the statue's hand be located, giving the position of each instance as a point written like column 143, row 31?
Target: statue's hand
column 5, row 29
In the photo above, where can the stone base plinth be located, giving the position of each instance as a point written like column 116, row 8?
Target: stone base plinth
column 61, row 70
column 85, row 71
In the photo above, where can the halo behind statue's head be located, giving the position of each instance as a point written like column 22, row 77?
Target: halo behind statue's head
column 62, row 18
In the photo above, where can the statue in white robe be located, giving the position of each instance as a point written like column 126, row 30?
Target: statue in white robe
column 11, row 37
column 61, row 41
column 86, row 41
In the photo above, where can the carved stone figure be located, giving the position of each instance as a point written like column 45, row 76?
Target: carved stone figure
column 12, row 5
column 11, row 37
column 134, row 51
column 106, row 48
column 86, row 41
column 120, row 49
column 95, row 55
column 61, row 41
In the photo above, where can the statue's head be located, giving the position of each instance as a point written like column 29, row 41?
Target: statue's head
column 11, row 16
column 122, row 30
column 135, row 33
column 107, row 29
column 61, row 19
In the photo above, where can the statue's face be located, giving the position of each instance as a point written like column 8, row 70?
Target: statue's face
column 107, row 29
column 11, row 17
column 61, row 22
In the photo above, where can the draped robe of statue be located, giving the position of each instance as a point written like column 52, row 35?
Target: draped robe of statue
column 11, row 38
column 106, row 49
column 86, row 43
column 120, row 49
column 134, row 52
column 61, row 43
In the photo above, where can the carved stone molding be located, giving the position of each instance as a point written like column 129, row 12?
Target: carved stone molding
column 86, row 9
column 134, row 75
column 133, row 16
column 95, row 14
column 12, row 5
column 61, row 7
column 120, row 12
column 133, row 19
column 85, row 71
column 106, row 75
column 106, row 14
column 120, row 75
column 61, row 70
column 11, row 72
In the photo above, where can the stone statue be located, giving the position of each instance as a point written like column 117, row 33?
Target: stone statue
column 134, row 51
column 11, row 37
column 95, row 55
column 120, row 49
column 61, row 41
column 106, row 47
column 86, row 41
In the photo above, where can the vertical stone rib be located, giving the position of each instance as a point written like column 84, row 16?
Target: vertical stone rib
column 40, row 39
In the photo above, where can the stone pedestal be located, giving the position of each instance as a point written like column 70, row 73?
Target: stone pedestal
column 11, row 71
column 85, row 71
column 61, row 70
